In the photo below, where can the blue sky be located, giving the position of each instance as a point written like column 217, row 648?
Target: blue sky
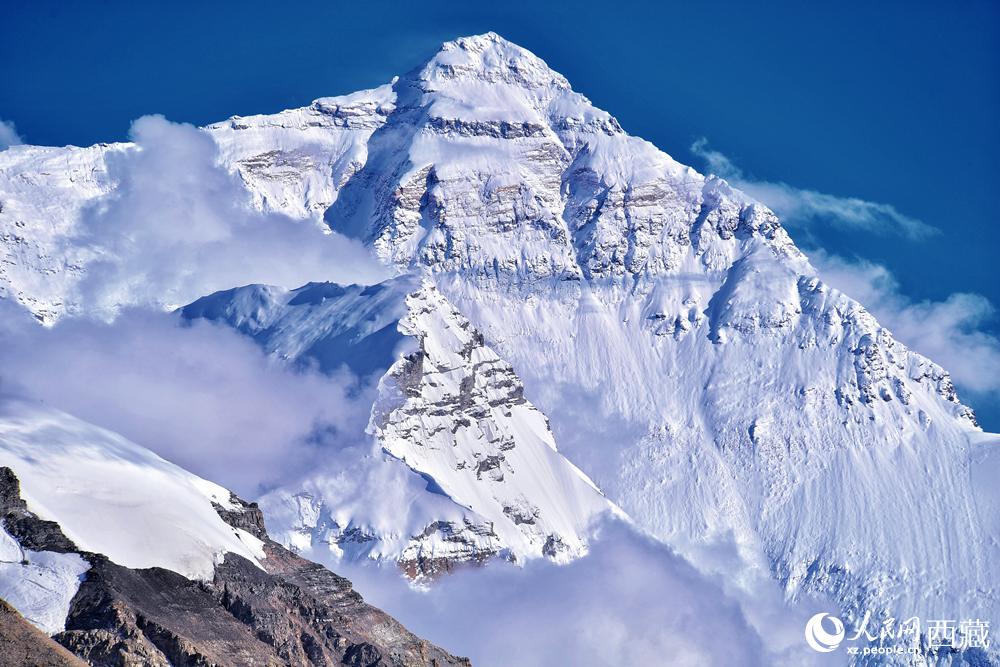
column 895, row 104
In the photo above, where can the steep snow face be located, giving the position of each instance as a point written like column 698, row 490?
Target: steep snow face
column 482, row 473
column 296, row 161
column 455, row 411
column 42, row 193
column 113, row 497
column 39, row 584
column 859, row 490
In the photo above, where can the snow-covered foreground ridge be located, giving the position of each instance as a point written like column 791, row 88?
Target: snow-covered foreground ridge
column 109, row 496
column 686, row 355
column 124, row 558
column 113, row 497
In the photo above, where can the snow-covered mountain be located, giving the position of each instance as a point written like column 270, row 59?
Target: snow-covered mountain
column 125, row 558
column 664, row 327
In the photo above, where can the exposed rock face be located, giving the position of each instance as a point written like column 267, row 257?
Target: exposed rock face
column 23, row 645
column 243, row 515
column 292, row 613
column 455, row 411
column 30, row 531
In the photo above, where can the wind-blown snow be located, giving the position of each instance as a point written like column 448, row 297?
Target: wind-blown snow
column 113, row 497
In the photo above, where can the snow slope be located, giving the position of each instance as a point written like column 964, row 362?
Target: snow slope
column 113, row 497
column 39, row 584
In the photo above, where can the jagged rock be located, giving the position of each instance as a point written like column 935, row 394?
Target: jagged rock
column 243, row 515
column 455, row 411
column 292, row 612
column 30, row 531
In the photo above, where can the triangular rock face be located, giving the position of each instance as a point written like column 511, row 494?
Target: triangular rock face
column 273, row 608
column 448, row 408
column 455, row 411
column 686, row 354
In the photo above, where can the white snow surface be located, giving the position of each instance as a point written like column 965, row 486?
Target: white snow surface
column 113, row 497
column 686, row 355
column 39, row 584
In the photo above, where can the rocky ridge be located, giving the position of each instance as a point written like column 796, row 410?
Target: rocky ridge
column 292, row 612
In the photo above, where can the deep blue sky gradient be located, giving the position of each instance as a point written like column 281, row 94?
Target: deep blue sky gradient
column 893, row 102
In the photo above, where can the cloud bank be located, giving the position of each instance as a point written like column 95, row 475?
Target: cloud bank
column 8, row 135
column 630, row 601
column 179, row 226
column 797, row 206
column 198, row 394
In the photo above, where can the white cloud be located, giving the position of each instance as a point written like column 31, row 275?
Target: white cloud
column 8, row 135
column 948, row 332
column 630, row 601
column 803, row 207
column 199, row 394
column 179, row 226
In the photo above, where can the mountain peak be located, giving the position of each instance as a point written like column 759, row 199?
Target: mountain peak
column 489, row 58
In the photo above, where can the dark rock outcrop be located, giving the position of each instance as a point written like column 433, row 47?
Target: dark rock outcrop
column 30, row 531
column 293, row 612
column 22, row 644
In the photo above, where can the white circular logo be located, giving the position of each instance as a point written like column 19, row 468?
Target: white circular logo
column 821, row 640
